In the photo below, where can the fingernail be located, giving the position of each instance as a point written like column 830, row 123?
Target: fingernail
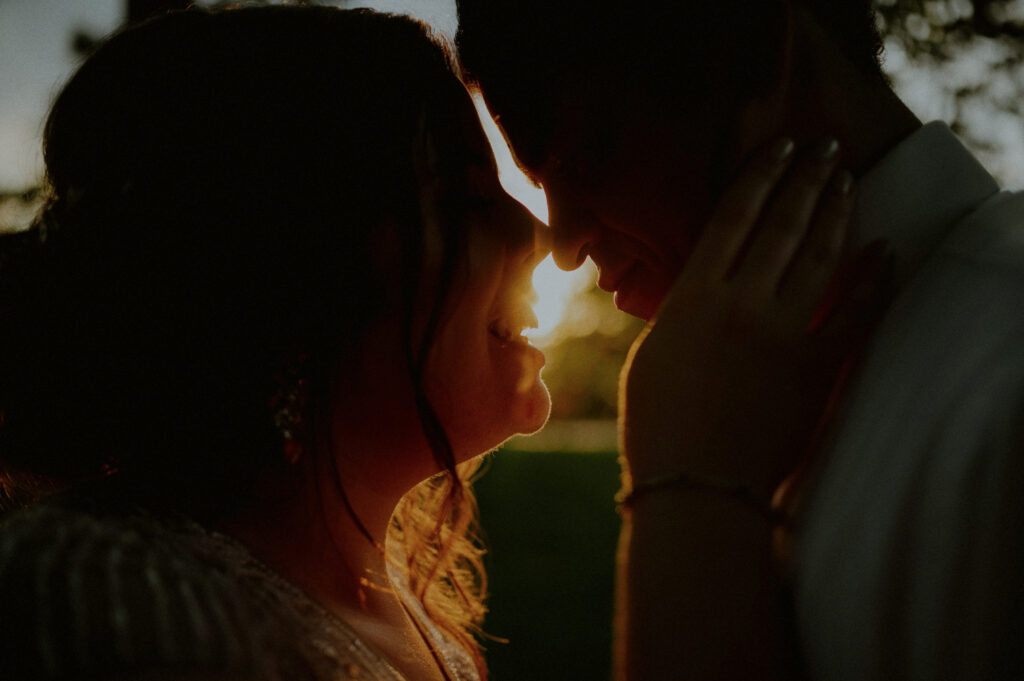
column 827, row 149
column 843, row 182
column 783, row 149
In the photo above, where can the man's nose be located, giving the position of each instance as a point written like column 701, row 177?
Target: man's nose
column 573, row 231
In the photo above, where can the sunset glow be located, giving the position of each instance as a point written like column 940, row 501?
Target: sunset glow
column 557, row 289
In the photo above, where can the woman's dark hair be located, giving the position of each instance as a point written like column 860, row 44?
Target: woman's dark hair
column 214, row 179
column 215, row 182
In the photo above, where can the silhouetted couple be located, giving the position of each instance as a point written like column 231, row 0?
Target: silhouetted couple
column 272, row 312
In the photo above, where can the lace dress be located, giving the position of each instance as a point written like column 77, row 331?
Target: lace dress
column 84, row 595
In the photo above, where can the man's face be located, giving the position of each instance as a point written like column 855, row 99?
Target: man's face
column 631, row 188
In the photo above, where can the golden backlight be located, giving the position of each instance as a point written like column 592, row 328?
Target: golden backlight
column 555, row 287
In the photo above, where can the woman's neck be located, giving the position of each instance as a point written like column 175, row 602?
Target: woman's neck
column 311, row 539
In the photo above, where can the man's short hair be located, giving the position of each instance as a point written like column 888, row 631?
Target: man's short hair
column 524, row 52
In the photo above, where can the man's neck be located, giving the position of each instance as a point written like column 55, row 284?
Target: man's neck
column 831, row 96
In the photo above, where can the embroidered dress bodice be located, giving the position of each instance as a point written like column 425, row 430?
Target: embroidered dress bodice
column 84, row 595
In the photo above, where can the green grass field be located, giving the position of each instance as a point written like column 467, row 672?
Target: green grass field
column 549, row 521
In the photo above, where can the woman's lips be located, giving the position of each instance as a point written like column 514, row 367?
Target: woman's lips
column 513, row 343
column 515, row 317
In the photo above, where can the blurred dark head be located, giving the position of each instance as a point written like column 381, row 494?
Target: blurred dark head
column 527, row 54
column 635, row 116
column 216, row 182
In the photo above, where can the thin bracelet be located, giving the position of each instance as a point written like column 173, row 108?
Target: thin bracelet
column 685, row 480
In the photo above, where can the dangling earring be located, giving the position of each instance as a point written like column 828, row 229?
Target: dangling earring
column 288, row 406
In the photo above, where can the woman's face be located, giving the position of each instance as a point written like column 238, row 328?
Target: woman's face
column 482, row 376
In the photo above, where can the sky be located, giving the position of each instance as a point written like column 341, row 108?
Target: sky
column 35, row 58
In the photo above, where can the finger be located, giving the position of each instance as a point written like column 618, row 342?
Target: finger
column 787, row 220
column 738, row 210
column 819, row 256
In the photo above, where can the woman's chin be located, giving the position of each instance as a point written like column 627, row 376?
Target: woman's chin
column 533, row 413
column 524, row 415
column 492, row 418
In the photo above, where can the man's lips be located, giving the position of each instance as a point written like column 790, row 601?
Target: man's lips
column 622, row 284
column 633, row 305
column 633, row 292
column 609, row 280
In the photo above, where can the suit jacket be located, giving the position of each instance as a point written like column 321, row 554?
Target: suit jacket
column 909, row 551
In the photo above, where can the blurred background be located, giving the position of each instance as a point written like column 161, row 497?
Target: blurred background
column 546, row 501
